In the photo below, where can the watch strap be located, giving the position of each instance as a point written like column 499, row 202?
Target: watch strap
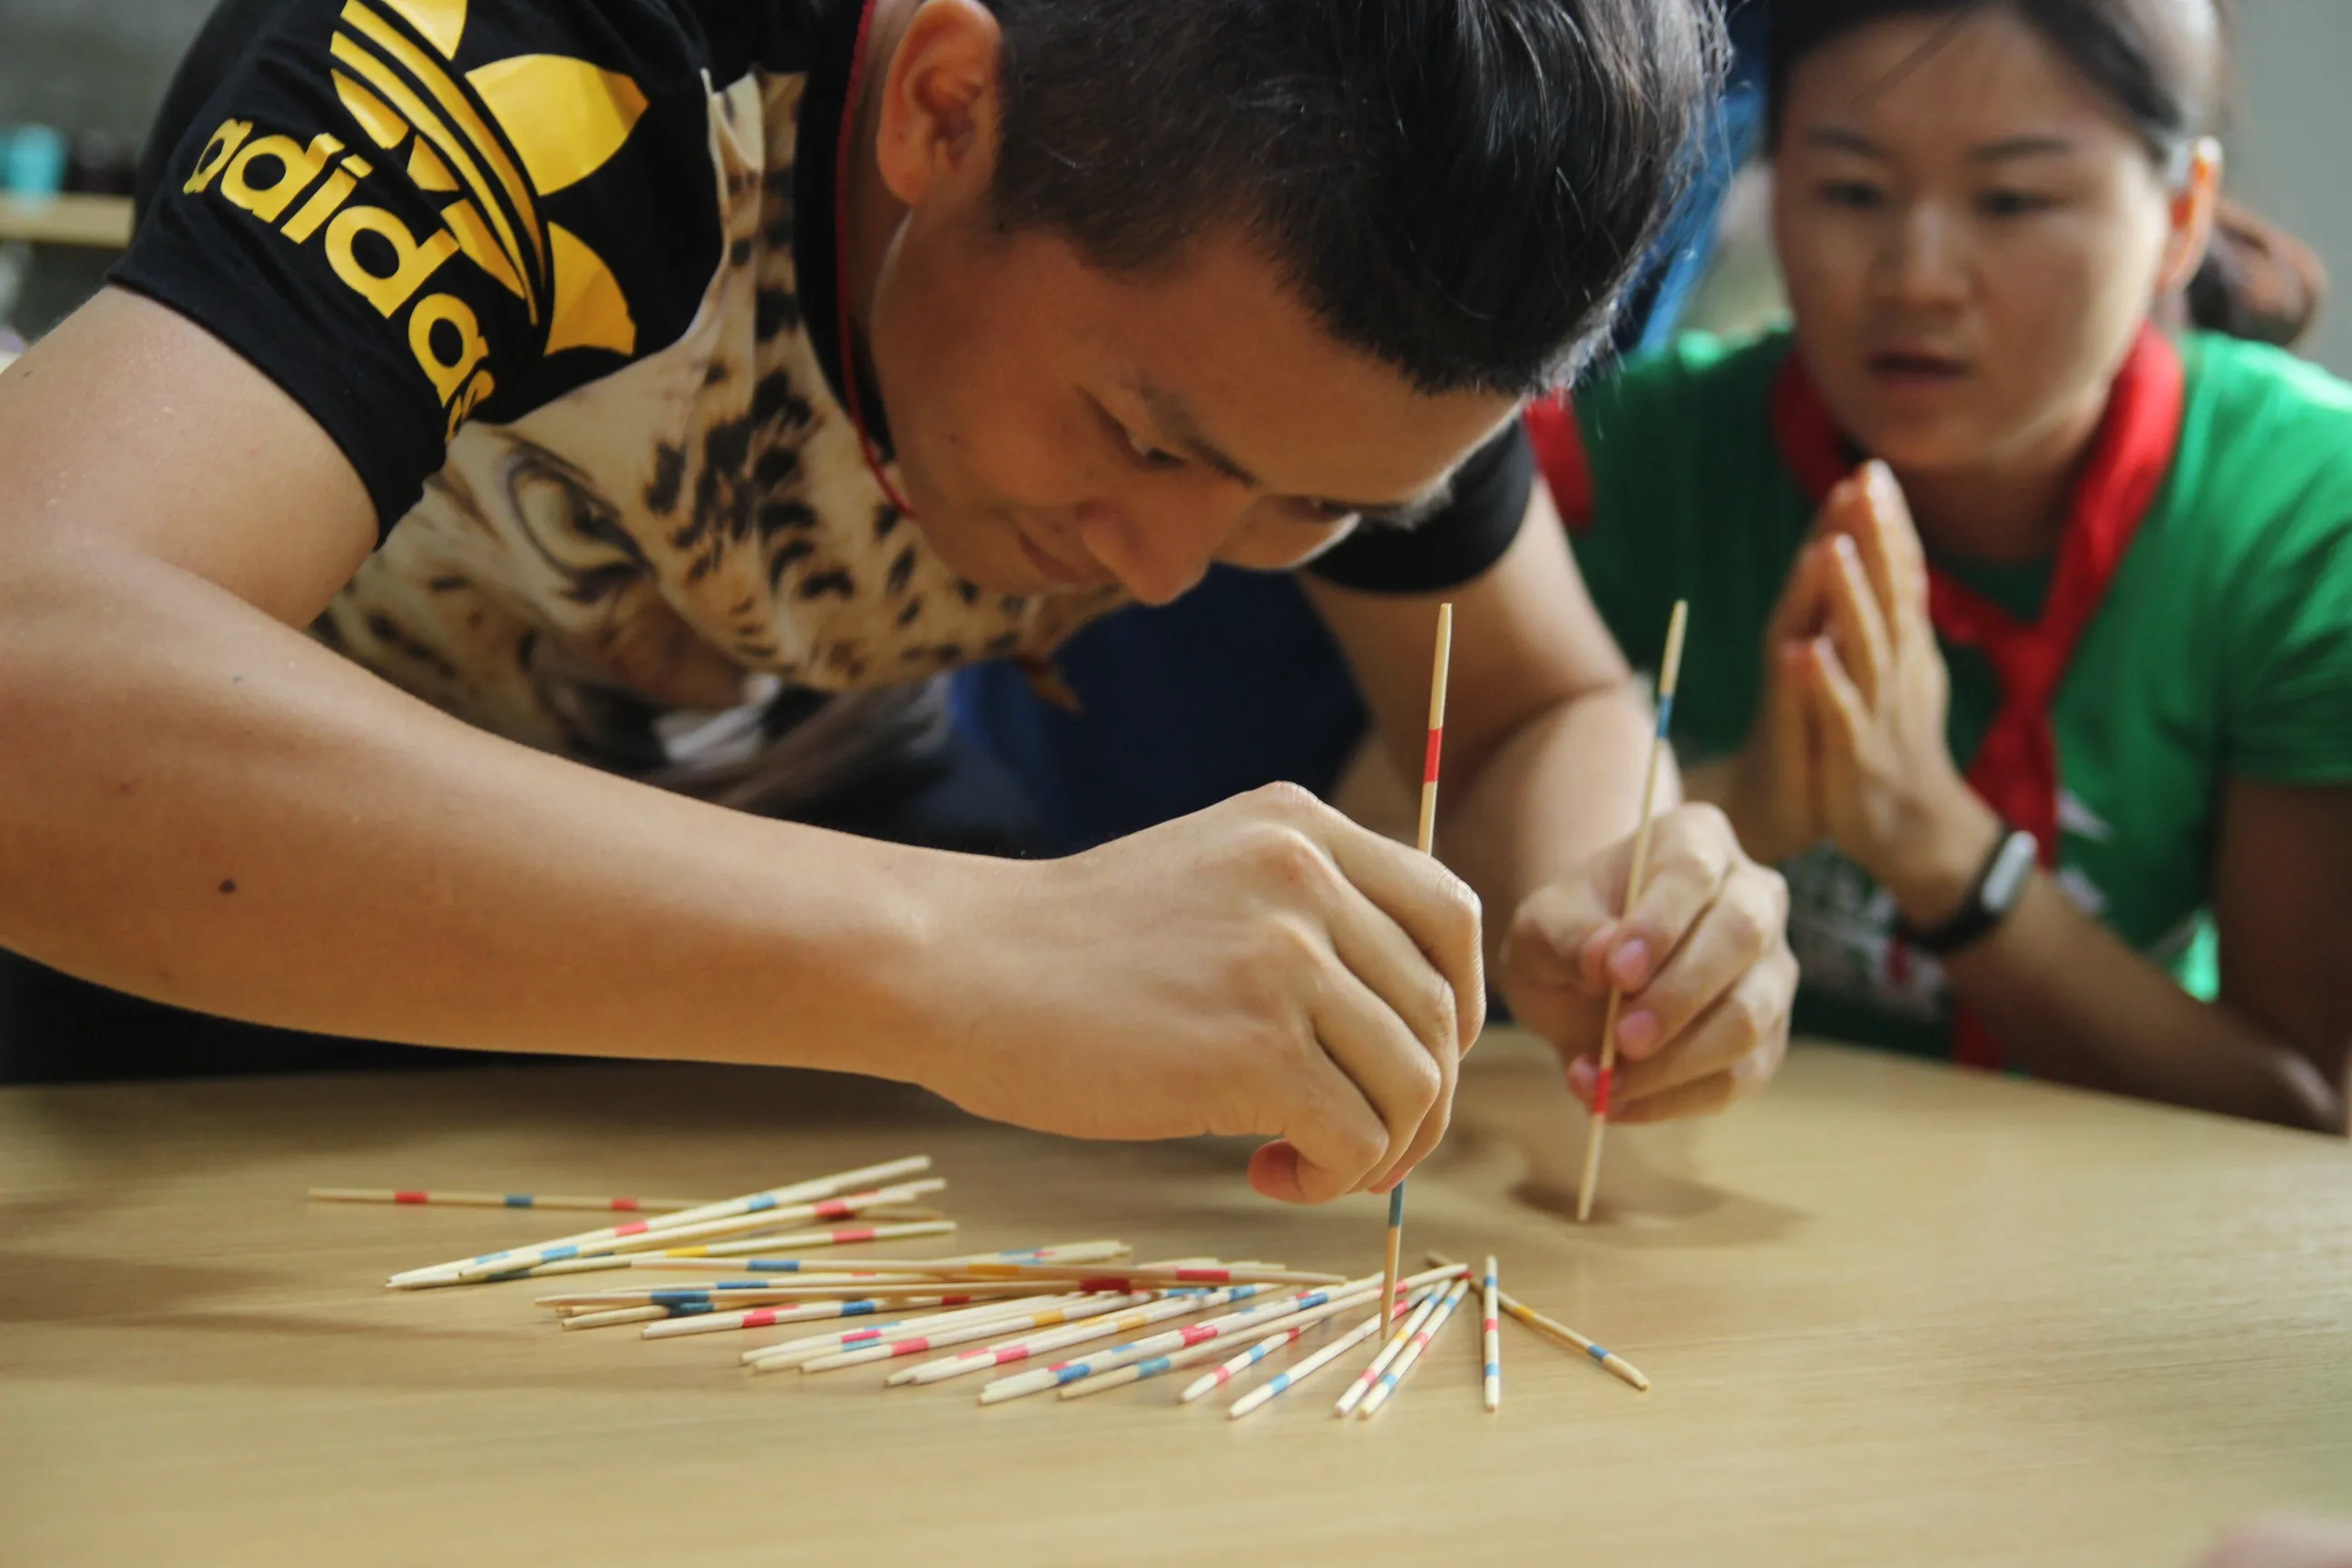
column 1993, row 893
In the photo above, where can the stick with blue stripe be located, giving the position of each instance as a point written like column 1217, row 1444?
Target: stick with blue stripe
column 405, row 1196
column 1493, row 1340
column 1426, row 841
column 1560, row 1332
column 1402, row 1368
column 1282, row 1381
column 1669, row 674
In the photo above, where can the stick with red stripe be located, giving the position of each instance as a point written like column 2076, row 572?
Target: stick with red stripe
column 645, row 1236
column 1669, row 672
column 1426, row 841
column 695, row 1320
column 1411, row 1290
column 1492, row 1343
column 799, row 1198
column 501, row 1200
column 939, row 1339
column 697, row 1258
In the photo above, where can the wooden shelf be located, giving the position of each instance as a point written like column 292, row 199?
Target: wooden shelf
column 103, row 223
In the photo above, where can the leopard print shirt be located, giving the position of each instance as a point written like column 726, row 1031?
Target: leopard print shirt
column 655, row 543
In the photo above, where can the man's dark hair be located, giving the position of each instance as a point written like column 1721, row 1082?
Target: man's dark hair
column 1460, row 188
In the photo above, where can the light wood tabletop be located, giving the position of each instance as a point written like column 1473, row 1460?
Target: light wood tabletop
column 1894, row 1314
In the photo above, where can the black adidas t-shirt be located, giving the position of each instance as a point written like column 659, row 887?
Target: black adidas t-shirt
column 415, row 214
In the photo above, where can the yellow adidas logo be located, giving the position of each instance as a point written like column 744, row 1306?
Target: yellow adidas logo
column 561, row 118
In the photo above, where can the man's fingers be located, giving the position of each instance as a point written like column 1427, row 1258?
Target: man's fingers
column 1735, row 934
column 1337, row 1137
column 1377, row 951
column 1407, row 1077
column 1435, row 909
column 1275, row 1172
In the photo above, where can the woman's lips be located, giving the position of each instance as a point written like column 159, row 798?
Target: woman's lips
column 1914, row 368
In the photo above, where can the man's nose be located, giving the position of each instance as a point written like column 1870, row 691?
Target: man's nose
column 1158, row 544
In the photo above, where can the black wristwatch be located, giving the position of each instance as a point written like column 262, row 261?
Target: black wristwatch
column 1994, row 892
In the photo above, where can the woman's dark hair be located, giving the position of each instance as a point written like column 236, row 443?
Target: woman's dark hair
column 1459, row 188
column 2161, row 64
column 2158, row 61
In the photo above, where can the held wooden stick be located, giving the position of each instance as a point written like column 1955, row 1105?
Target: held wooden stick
column 1669, row 675
column 1426, row 841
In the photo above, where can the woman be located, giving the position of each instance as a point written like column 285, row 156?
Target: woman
column 2059, row 676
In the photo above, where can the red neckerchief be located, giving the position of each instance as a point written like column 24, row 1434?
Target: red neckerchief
column 1560, row 452
column 865, row 442
column 2016, row 769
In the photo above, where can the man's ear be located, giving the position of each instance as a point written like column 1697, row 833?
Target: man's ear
column 939, row 113
column 2193, row 203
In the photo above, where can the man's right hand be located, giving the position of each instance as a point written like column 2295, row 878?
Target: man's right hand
column 1265, row 966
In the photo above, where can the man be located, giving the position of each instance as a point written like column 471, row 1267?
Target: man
column 670, row 386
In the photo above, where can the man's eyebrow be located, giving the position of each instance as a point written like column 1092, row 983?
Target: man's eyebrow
column 2046, row 145
column 1182, row 432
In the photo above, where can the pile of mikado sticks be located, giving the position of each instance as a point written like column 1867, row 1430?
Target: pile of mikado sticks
column 1012, row 1306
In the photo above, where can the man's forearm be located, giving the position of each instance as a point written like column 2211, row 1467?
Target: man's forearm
column 201, row 806
column 1556, row 792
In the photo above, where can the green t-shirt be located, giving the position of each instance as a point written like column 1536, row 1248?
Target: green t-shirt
column 2223, row 647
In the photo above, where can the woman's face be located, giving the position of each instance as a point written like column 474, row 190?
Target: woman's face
column 1971, row 238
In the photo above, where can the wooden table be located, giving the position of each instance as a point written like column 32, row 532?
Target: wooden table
column 1894, row 1315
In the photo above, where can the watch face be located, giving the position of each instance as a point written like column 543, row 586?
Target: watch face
column 2006, row 879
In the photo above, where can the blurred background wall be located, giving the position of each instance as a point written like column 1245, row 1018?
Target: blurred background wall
column 2291, row 149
